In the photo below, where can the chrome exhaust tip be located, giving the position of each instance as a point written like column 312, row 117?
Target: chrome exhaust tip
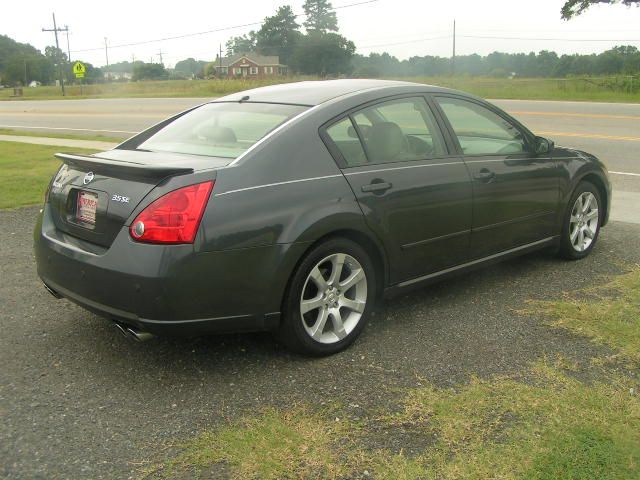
column 132, row 333
column 52, row 291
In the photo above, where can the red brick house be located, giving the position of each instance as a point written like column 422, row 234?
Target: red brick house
column 250, row 65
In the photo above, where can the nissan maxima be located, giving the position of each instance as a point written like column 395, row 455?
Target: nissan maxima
column 292, row 208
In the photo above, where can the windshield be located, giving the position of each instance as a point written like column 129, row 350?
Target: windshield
column 220, row 129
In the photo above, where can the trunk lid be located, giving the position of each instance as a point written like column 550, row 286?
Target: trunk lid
column 92, row 197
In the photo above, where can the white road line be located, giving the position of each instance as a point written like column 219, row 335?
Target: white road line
column 68, row 128
column 626, row 173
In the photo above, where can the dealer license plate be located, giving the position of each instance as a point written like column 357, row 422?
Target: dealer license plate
column 87, row 207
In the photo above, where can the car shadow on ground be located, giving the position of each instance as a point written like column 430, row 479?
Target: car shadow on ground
column 445, row 331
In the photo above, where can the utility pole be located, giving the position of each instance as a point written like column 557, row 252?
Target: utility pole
column 220, row 60
column 106, row 56
column 453, row 59
column 106, row 51
column 160, row 55
column 66, row 27
column 55, row 30
column 25, row 71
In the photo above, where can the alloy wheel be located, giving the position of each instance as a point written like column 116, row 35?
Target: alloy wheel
column 333, row 298
column 583, row 223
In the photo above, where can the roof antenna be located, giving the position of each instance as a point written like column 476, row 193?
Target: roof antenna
column 244, row 99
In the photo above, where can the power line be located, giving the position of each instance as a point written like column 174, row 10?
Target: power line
column 215, row 30
column 553, row 39
column 417, row 40
column 440, row 37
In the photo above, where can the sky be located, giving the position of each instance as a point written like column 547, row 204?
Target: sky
column 403, row 28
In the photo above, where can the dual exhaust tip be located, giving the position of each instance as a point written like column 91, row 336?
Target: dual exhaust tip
column 133, row 333
column 127, row 331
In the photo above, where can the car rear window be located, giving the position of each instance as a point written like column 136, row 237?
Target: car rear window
column 220, row 129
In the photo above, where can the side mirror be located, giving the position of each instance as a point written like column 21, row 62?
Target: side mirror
column 543, row 145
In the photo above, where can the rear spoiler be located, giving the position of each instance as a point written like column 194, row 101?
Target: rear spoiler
column 114, row 167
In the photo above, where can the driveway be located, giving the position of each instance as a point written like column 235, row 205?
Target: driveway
column 78, row 400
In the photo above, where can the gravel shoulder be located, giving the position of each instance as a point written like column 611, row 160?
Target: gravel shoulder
column 77, row 400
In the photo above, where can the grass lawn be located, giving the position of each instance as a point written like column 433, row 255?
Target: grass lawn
column 542, row 424
column 25, row 172
column 100, row 138
column 610, row 89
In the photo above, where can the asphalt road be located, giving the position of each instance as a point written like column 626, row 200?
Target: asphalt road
column 609, row 130
column 78, row 400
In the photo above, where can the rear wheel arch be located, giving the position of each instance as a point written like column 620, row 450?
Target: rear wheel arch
column 370, row 245
column 373, row 248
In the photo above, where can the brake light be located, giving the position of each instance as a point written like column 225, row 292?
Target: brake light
column 174, row 217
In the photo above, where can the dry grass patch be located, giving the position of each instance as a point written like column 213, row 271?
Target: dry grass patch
column 274, row 445
column 546, row 426
column 608, row 314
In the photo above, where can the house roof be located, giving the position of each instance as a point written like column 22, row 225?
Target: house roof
column 254, row 57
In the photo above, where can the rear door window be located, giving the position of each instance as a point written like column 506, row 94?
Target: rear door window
column 400, row 130
column 344, row 136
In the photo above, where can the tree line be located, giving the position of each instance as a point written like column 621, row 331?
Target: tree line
column 621, row 60
column 316, row 47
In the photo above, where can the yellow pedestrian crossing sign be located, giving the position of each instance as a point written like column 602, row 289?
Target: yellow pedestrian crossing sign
column 79, row 69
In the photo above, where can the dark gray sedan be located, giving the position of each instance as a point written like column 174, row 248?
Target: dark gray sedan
column 291, row 208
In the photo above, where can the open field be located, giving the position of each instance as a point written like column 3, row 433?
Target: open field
column 25, row 171
column 610, row 89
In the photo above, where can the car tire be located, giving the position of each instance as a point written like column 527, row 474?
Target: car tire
column 329, row 299
column 581, row 222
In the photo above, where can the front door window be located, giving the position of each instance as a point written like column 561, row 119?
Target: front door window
column 481, row 131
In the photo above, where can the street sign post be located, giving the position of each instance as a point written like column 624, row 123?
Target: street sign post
column 79, row 69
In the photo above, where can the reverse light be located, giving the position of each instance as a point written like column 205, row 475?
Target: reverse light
column 173, row 218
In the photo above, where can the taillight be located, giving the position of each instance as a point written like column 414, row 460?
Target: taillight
column 174, row 217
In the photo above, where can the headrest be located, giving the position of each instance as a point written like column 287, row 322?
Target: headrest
column 385, row 142
column 221, row 134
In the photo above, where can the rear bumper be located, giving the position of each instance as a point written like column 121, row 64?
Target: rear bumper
column 166, row 290
column 191, row 327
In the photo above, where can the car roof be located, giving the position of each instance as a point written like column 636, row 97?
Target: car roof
column 315, row 92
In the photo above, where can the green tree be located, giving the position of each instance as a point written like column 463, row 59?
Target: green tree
column 323, row 54
column 22, row 63
column 149, row 71
column 572, row 8
column 320, row 16
column 56, row 55
column 279, row 34
column 241, row 44
column 190, row 67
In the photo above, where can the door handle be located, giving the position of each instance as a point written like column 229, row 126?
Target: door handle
column 484, row 175
column 376, row 187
